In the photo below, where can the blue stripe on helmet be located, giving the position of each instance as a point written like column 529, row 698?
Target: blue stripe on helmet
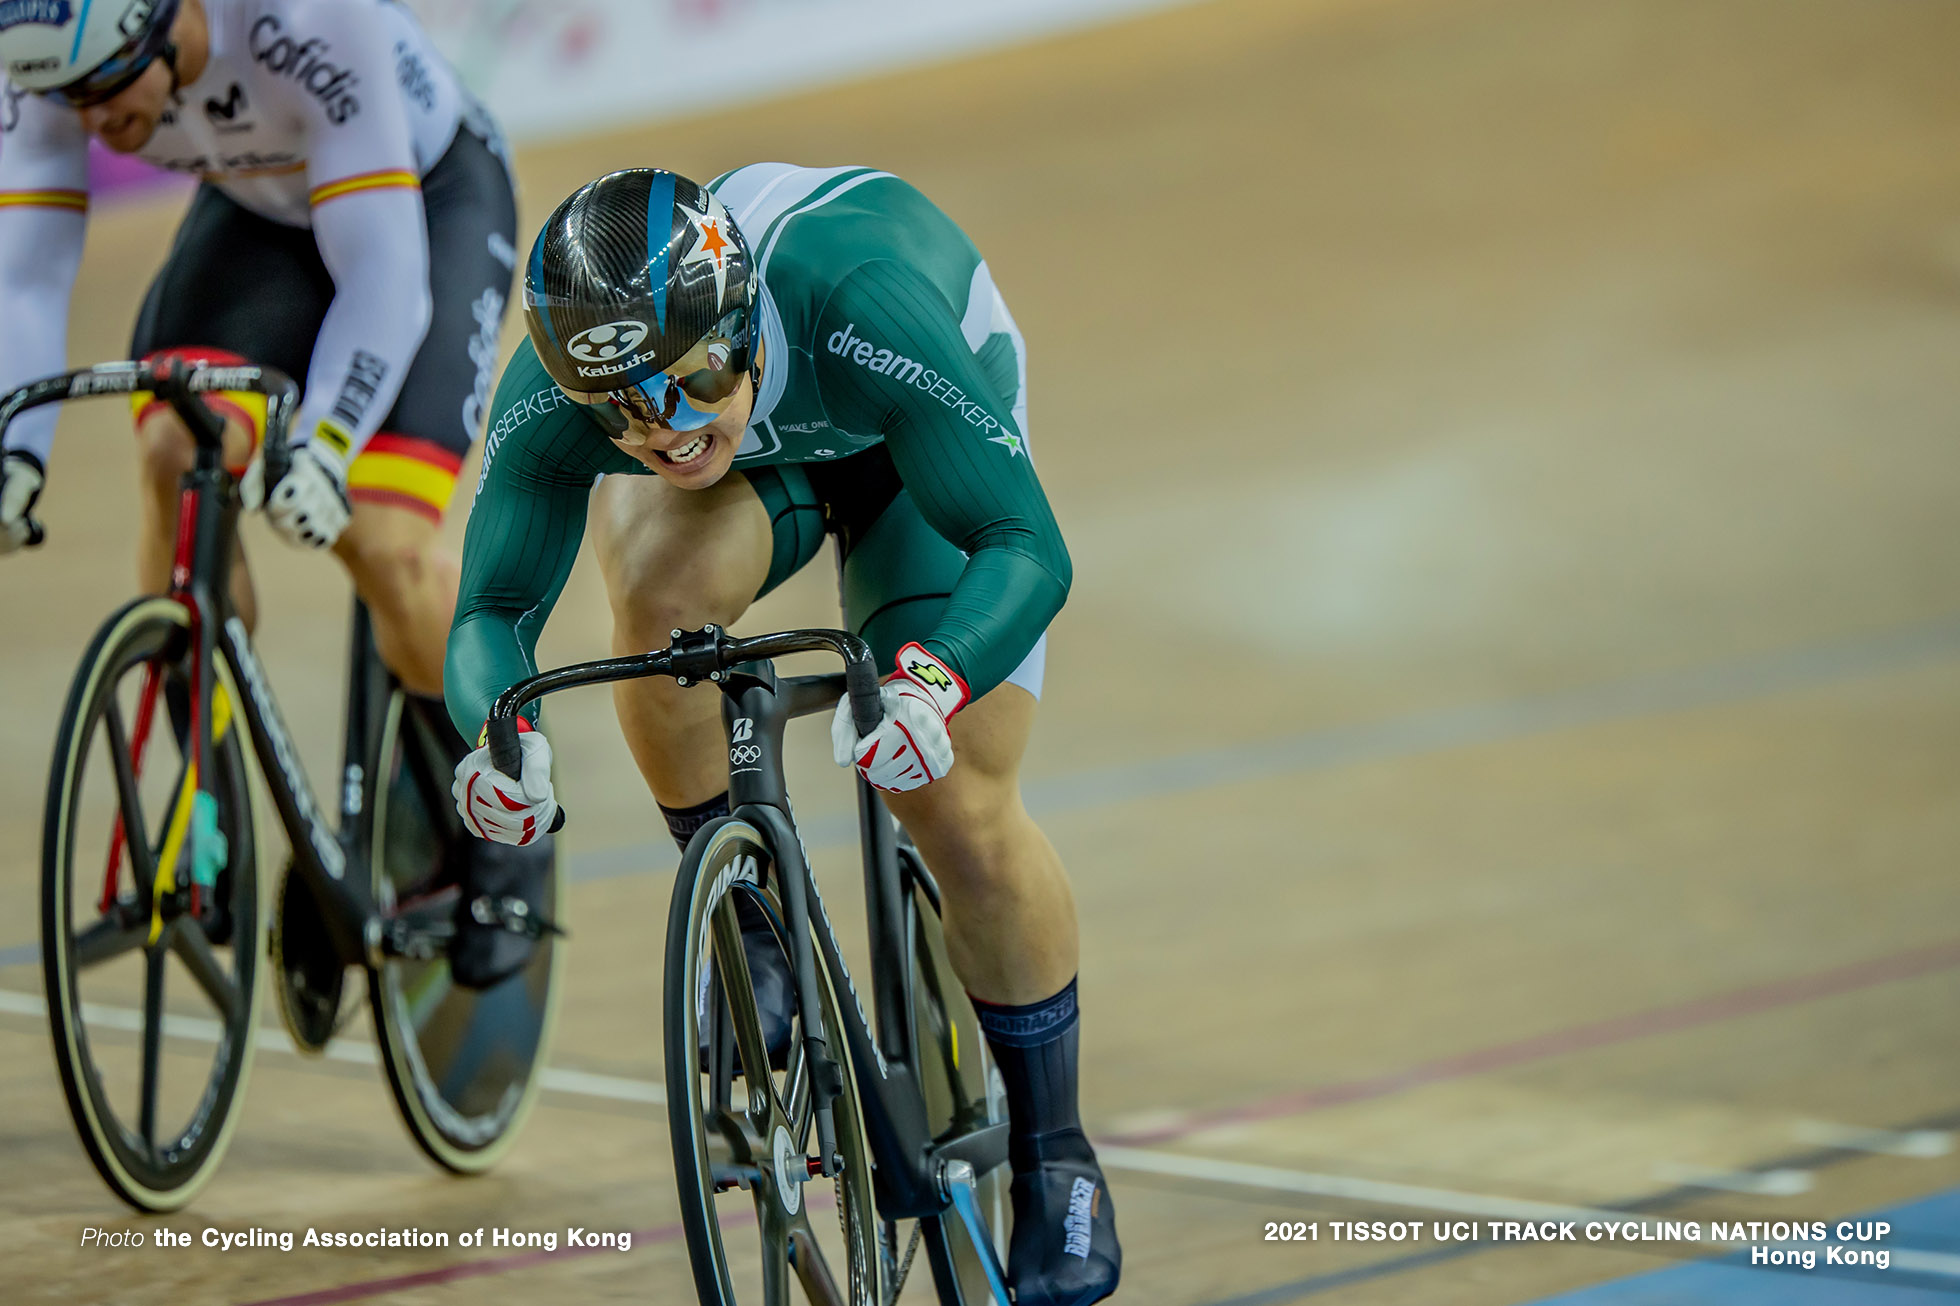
column 534, row 275
column 81, row 26
column 660, row 225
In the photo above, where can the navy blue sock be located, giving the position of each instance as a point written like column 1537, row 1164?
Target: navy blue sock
column 1035, row 1048
column 682, row 822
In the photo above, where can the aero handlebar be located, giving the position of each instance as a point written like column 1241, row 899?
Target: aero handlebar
column 178, row 384
column 695, row 656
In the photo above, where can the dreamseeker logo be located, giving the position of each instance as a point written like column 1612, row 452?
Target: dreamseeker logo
column 848, row 345
column 530, row 408
column 306, row 63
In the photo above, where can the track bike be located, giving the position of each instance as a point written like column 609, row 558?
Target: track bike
column 907, row 1124
column 150, row 855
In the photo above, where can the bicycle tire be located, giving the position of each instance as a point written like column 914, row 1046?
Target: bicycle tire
column 425, row 1026
column 729, row 858
column 148, row 1173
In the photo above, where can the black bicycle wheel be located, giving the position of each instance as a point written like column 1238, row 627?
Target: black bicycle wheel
column 465, row 1064
column 151, row 1068
column 743, row 1148
column 961, row 1087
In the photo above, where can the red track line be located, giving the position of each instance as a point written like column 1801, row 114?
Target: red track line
column 1603, row 1033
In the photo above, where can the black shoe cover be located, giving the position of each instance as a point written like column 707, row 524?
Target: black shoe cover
column 775, row 987
column 1064, row 1250
column 500, row 913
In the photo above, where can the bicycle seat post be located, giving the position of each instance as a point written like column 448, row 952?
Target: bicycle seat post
column 172, row 385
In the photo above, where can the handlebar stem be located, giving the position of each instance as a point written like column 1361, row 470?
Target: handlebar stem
column 697, row 655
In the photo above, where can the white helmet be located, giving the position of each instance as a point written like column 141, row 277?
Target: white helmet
column 83, row 51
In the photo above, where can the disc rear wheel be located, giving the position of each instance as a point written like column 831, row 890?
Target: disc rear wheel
column 465, row 1064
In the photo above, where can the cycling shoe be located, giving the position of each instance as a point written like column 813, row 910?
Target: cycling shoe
column 775, row 986
column 1064, row 1250
column 500, row 913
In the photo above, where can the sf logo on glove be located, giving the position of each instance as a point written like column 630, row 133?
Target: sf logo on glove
column 911, row 745
column 928, row 671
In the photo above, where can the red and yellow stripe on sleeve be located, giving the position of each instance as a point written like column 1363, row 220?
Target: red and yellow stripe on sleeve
column 419, row 475
column 45, row 199
column 387, row 179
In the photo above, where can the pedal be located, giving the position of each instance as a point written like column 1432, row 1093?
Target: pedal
column 513, row 915
column 417, row 936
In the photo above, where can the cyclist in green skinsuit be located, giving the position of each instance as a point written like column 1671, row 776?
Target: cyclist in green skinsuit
column 743, row 368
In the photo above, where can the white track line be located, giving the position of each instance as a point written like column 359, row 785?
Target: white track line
column 1242, row 1174
column 1919, row 1143
column 1753, row 1183
column 273, row 1038
column 1376, row 1192
column 1442, row 1200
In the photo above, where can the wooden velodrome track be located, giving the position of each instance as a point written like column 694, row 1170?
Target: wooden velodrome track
column 1506, row 728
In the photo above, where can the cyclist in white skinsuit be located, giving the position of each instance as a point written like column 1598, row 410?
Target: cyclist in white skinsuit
column 320, row 116
column 354, row 229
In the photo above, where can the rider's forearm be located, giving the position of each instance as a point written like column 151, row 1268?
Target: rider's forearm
column 1017, row 572
column 489, row 651
column 523, row 538
column 40, row 252
column 376, row 245
column 1002, row 603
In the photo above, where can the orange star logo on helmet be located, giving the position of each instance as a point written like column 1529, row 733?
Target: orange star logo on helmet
column 711, row 241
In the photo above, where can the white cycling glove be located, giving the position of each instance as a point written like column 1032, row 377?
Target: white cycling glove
column 495, row 806
column 308, row 505
column 20, row 486
column 911, row 746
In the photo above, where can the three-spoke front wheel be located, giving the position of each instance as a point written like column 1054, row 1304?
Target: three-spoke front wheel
column 761, row 1220
column 149, row 910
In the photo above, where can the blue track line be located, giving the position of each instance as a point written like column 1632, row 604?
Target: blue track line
column 1928, row 1224
column 1781, row 671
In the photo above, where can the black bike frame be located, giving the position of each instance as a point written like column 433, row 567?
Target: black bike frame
column 207, row 538
column 756, row 706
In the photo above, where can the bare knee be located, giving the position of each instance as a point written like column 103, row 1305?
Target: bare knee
column 974, row 832
column 164, row 452
column 678, row 559
column 657, row 590
column 391, row 574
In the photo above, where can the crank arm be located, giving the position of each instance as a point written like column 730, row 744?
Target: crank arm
column 956, row 1181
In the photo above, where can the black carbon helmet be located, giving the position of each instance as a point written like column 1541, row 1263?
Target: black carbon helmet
column 629, row 274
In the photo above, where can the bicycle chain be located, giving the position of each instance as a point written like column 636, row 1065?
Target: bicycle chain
column 911, row 1250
